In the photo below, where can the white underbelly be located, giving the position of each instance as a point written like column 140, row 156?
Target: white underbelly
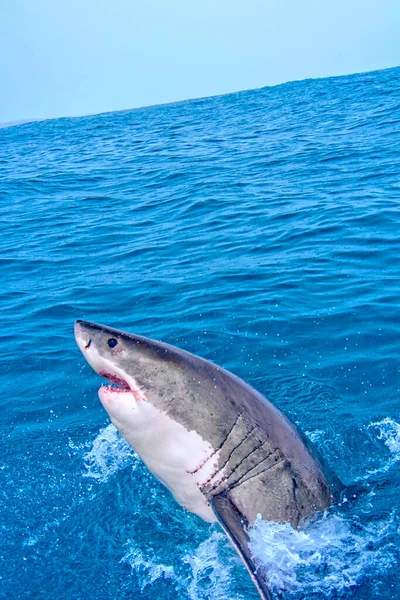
column 179, row 458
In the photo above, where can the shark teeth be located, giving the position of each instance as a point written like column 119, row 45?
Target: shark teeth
column 121, row 383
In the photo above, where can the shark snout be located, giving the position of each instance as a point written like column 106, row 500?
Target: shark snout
column 82, row 335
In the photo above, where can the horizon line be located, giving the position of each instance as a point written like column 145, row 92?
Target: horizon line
column 17, row 122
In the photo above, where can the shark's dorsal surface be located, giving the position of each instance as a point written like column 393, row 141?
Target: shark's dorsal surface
column 223, row 450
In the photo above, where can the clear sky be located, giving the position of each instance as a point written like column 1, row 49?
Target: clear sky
column 74, row 57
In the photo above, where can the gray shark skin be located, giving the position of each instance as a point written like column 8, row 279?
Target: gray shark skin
column 225, row 452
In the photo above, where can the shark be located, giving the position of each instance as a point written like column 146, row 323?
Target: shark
column 225, row 452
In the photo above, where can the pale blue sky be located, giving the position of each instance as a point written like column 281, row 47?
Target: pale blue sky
column 74, row 57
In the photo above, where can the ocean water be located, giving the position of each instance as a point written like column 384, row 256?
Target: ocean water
column 259, row 230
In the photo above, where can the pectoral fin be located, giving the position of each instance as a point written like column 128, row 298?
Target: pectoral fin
column 235, row 527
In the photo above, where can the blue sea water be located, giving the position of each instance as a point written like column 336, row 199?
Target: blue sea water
column 259, row 230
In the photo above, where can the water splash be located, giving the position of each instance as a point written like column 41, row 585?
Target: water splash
column 389, row 432
column 146, row 570
column 207, row 573
column 326, row 559
column 211, row 575
column 109, row 453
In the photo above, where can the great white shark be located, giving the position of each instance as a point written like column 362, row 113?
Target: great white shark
column 224, row 451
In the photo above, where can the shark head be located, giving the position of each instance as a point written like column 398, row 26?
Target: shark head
column 151, row 400
column 138, row 369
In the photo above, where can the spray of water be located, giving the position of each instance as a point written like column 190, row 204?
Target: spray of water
column 328, row 558
column 109, row 453
column 147, row 571
column 389, row 432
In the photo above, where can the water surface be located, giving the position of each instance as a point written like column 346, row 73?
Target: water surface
column 259, row 230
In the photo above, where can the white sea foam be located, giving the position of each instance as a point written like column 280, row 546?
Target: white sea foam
column 204, row 574
column 327, row 558
column 109, row 453
column 211, row 576
column 389, row 432
column 146, row 570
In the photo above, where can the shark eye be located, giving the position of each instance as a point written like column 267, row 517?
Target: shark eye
column 112, row 342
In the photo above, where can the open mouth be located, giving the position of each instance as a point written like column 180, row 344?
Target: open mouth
column 120, row 385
